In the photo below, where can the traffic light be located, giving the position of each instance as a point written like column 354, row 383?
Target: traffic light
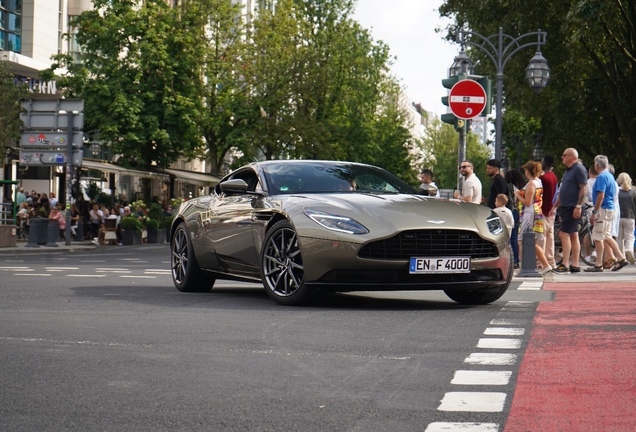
column 486, row 83
column 449, row 118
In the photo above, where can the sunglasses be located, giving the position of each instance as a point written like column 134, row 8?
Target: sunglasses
column 464, row 166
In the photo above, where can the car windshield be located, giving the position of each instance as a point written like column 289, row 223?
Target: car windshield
column 326, row 177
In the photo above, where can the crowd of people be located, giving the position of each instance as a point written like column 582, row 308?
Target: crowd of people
column 93, row 216
column 532, row 199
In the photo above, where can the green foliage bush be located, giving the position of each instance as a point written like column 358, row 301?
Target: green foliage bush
column 156, row 212
column 167, row 222
column 152, row 224
column 131, row 224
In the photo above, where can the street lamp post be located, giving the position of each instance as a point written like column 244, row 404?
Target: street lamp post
column 537, row 72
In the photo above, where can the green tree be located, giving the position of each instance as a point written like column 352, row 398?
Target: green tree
column 138, row 78
column 590, row 102
column 440, row 145
column 10, row 107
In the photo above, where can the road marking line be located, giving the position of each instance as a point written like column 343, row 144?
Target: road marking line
column 157, row 270
column 462, row 427
column 113, row 271
column 32, row 274
column 466, row 377
column 168, row 273
column 86, row 275
column 504, row 331
column 473, row 401
column 61, row 268
column 139, row 277
column 13, row 268
column 110, row 268
column 508, row 322
column 520, row 303
column 499, row 343
column 494, row 359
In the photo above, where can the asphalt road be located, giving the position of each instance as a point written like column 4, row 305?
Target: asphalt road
column 101, row 340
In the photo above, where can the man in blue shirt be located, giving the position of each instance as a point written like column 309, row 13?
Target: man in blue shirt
column 569, row 202
column 603, row 193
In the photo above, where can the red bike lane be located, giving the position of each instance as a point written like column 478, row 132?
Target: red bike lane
column 579, row 370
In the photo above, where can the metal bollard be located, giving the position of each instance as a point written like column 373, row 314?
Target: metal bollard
column 33, row 237
column 528, row 257
column 52, row 234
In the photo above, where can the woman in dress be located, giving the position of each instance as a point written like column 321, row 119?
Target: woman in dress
column 531, row 198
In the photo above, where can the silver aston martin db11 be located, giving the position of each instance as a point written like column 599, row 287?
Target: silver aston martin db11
column 302, row 227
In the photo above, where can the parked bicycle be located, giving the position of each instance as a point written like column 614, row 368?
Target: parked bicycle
column 585, row 237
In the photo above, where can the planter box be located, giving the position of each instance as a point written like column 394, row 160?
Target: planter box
column 156, row 236
column 130, row 238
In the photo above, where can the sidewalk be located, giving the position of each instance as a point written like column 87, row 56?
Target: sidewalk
column 21, row 247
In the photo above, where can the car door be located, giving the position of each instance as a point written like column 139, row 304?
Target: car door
column 231, row 227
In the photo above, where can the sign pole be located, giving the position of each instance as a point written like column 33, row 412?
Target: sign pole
column 69, row 178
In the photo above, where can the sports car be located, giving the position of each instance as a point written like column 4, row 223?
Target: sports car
column 305, row 227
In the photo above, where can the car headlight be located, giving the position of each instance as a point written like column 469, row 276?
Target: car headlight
column 333, row 222
column 495, row 225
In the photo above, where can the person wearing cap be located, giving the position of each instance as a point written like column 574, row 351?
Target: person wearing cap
column 428, row 186
column 498, row 184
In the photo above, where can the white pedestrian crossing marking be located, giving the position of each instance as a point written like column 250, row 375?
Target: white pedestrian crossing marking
column 508, row 322
column 494, row 359
column 473, row 401
column 466, row 377
column 462, row 427
column 497, row 343
column 504, row 331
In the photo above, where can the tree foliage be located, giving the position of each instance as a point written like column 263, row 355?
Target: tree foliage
column 590, row 102
column 10, row 107
column 204, row 79
column 441, row 145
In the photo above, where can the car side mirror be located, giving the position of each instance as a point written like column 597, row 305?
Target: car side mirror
column 234, row 186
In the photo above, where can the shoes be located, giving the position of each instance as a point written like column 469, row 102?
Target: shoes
column 517, row 265
column 119, row 244
column 630, row 257
column 619, row 265
column 608, row 264
column 590, row 258
column 575, row 269
column 594, row 269
column 548, row 269
column 561, row 269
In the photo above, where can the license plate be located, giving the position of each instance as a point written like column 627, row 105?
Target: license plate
column 440, row 265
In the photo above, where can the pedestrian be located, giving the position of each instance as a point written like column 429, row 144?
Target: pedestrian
column 428, row 186
column 549, row 181
column 531, row 217
column 498, row 183
column 504, row 212
column 603, row 214
column 627, row 199
column 471, row 189
column 515, row 182
column 52, row 200
column 569, row 204
column 20, row 197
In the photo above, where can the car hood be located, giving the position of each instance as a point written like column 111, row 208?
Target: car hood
column 384, row 215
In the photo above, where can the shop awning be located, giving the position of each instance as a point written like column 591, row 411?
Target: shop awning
column 193, row 177
column 103, row 166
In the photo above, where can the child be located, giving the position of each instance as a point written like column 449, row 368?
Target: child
column 504, row 212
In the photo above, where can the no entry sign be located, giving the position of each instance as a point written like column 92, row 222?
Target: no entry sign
column 467, row 99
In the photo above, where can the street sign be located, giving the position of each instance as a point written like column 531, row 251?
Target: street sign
column 50, row 139
column 49, row 157
column 467, row 99
column 53, row 105
column 50, row 120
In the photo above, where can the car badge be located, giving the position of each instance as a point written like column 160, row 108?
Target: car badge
column 436, row 222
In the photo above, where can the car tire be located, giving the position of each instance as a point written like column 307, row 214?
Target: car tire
column 485, row 295
column 282, row 270
column 186, row 273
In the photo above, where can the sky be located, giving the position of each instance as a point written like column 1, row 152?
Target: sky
column 423, row 57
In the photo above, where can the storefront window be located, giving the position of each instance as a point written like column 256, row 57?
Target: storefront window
column 3, row 42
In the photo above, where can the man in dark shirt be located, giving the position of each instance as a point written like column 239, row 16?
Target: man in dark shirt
column 569, row 203
column 498, row 184
column 549, row 181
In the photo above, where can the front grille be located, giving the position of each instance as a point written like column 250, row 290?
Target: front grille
column 430, row 243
